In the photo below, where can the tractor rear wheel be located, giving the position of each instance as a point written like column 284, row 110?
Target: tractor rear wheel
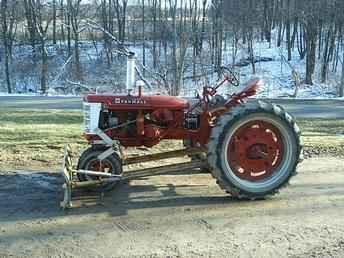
column 253, row 150
column 89, row 161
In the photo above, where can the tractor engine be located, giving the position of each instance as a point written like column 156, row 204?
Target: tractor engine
column 136, row 120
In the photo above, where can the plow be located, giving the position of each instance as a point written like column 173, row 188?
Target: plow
column 250, row 147
column 101, row 179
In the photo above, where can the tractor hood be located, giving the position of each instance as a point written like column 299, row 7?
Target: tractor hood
column 125, row 102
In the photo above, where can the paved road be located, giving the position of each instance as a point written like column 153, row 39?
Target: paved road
column 299, row 108
column 39, row 102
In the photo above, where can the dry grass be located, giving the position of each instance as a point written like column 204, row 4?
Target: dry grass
column 35, row 138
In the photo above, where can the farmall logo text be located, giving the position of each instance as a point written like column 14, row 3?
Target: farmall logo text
column 129, row 101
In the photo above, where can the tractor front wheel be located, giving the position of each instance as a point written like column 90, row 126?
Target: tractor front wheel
column 89, row 161
column 254, row 150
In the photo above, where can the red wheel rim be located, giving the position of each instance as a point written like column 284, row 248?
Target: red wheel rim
column 100, row 166
column 255, row 150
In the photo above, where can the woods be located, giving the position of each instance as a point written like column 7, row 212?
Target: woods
column 178, row 40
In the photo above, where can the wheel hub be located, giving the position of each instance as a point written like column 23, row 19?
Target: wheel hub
column 255, row 150
column 99, row 166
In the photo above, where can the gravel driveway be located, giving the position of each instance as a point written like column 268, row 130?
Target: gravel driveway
column 174, row 216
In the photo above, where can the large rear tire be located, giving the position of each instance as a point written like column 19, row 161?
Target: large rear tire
column 253, row 150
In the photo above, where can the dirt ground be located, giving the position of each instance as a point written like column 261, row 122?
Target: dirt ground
column 174, row 216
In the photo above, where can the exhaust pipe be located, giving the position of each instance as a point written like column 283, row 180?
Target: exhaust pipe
column 130, row 72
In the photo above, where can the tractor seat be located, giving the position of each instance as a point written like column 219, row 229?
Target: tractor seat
column 251, row 87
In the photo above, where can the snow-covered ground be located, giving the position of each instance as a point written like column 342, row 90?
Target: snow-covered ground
column 276, row 74
column 278, row 80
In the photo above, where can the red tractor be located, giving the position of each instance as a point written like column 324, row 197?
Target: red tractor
column 250, row 147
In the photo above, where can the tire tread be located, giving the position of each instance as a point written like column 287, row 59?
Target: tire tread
column 217, row 135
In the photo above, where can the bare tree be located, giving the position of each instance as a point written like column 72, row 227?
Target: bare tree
column 341, row 86
column 217, row 35
column 328, row 50
column 250, row 34
column 54, row 21
column 175, row 32
column 8, row 26
column 195, row 32
column 340, row 8
column 288, row 28
column 311, row 30
column 106, row 19
column 154, row 14
column 268, row 19
column 62, row 18
column 41, row 29
column 143, row 34
column 329, row 40
column 120, row 7
column 179, row 45
column 73, row 9
column 31, row 21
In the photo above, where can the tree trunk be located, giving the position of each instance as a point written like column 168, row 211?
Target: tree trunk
column 143, row 35
column 288, row 31
column 204, row 16
column 320, row 39
column 7, row 70
column 250, row 39
column 310, row 60
column 54, row 21
column 7, row 40
column 280, row 34
column 293, row 37
column 154, row 50
column 62, row 16
column 74, row 8
column 301, row 42
column 176, row 81
column 311, row 40
column 44, row 70
column 341, row 87
column 69, row 45
column 250, row 51
column 30, row 19
column 328, row 51
column 106, row 26
column 77, row 57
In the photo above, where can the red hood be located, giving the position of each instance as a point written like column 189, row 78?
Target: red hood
column 136, row 102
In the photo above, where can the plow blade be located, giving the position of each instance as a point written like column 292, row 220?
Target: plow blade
column 69, row 174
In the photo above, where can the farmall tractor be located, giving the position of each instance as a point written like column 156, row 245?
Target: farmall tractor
column 250, row 147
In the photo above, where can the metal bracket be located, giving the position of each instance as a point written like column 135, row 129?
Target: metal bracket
column 106, row 153
column 108, row 141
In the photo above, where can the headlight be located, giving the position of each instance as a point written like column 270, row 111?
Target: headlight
column 91, row 116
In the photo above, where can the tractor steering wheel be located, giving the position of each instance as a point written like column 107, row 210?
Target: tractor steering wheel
column 229, row 75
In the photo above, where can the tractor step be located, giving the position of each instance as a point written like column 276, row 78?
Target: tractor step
column 69, row 172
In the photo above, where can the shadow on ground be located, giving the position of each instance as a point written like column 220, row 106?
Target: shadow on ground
column 36, row 195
